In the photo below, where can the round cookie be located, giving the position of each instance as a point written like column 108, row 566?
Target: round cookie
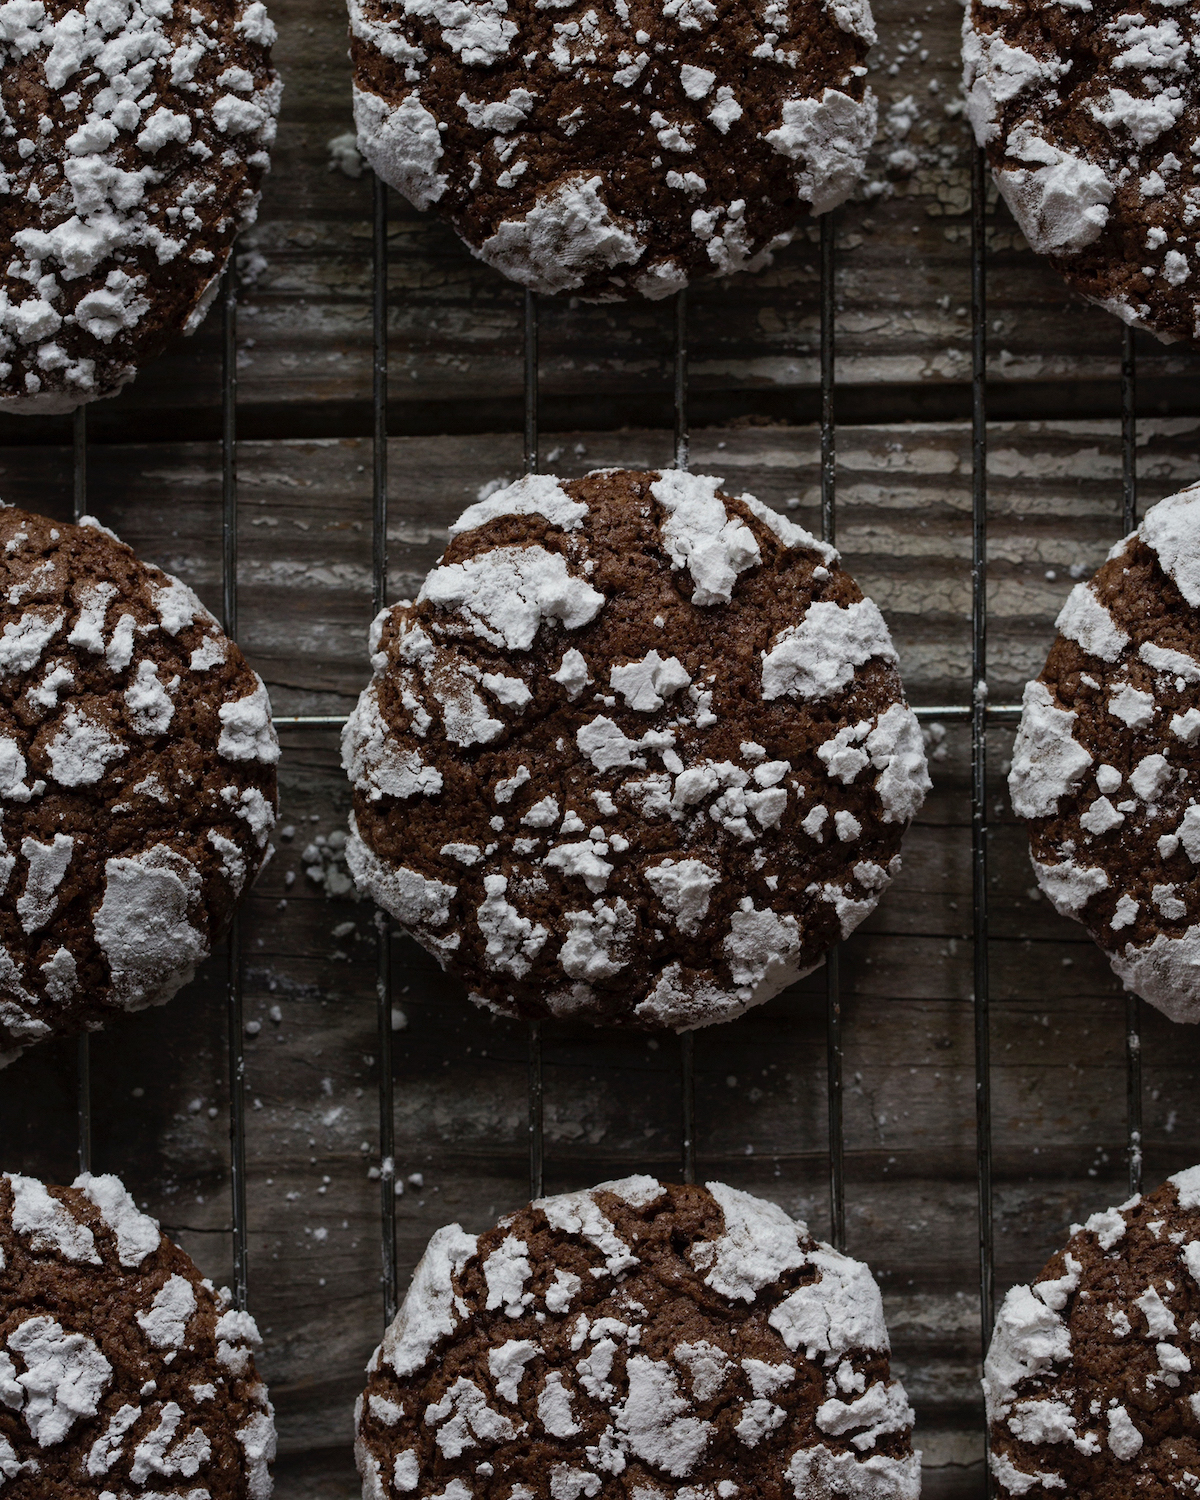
column 137, row 779
column 133, row 145
column 1092, row 1379
column 1088, row 113
column 638, row 753
column 122, row 1372
column 616, row 150
column 1106, row 762
column 635, row 1342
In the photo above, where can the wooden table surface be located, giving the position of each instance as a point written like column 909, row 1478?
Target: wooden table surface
column 612, row 1102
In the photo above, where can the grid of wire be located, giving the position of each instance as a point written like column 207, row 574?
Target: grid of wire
column 978, row 712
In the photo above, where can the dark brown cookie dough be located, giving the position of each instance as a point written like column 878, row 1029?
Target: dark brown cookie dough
column 638, row 753
column 122, row 1373
column 137, row 779
column 133, row 145
column 1089, row 113
column 621, row 149
column 1106, row 763
column 1093, row 1375
column 635, row 1342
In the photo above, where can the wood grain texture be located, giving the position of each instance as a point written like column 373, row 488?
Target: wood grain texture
column 612, row 1102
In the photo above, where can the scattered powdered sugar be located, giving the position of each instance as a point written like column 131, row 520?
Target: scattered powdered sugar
column 840, row 1311
column 165, row 1324
column 1085, row 620
column 65, row 1377
column 828, row 140
column 142, row 926
column 1047, row 761
column 701, row 536
column 505, row 594
column 1172, row 529
column 817, row 658
column 82, row 750
column 49, row 1224
column 137, row 1233
column 760, row 1243
column 531, row 495
column 431, row 1307
column 566, row 236
column 246, row 729
column 684, row 886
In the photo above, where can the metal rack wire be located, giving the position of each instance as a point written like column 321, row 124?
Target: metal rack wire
column 83, row 1052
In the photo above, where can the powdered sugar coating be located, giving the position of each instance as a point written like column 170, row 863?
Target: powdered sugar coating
column 1090, row 1380
column 1088, row 114
column 133, row 144
column 587, row 780
column 633, row 1349
column 137, row 790
column 617, row 151
column 1106, row 765
column 119, row 1366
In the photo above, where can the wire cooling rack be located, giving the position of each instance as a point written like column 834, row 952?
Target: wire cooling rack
column 979, row 712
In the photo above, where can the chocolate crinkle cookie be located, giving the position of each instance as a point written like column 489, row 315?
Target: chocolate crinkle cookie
column 637, row 1342
column 133, row 145
column 618, row 149
column 122, row 1372
column 1106, row 763
column 137, row 779
column 638, row 753
column 1089, row 111
column 1092, row 1378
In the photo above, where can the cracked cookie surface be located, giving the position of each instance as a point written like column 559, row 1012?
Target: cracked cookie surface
column 1106, row 762
column 636, row 1342
column 137, row 779
column 618, row 149
column 638, row 753
column 122, row 1371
